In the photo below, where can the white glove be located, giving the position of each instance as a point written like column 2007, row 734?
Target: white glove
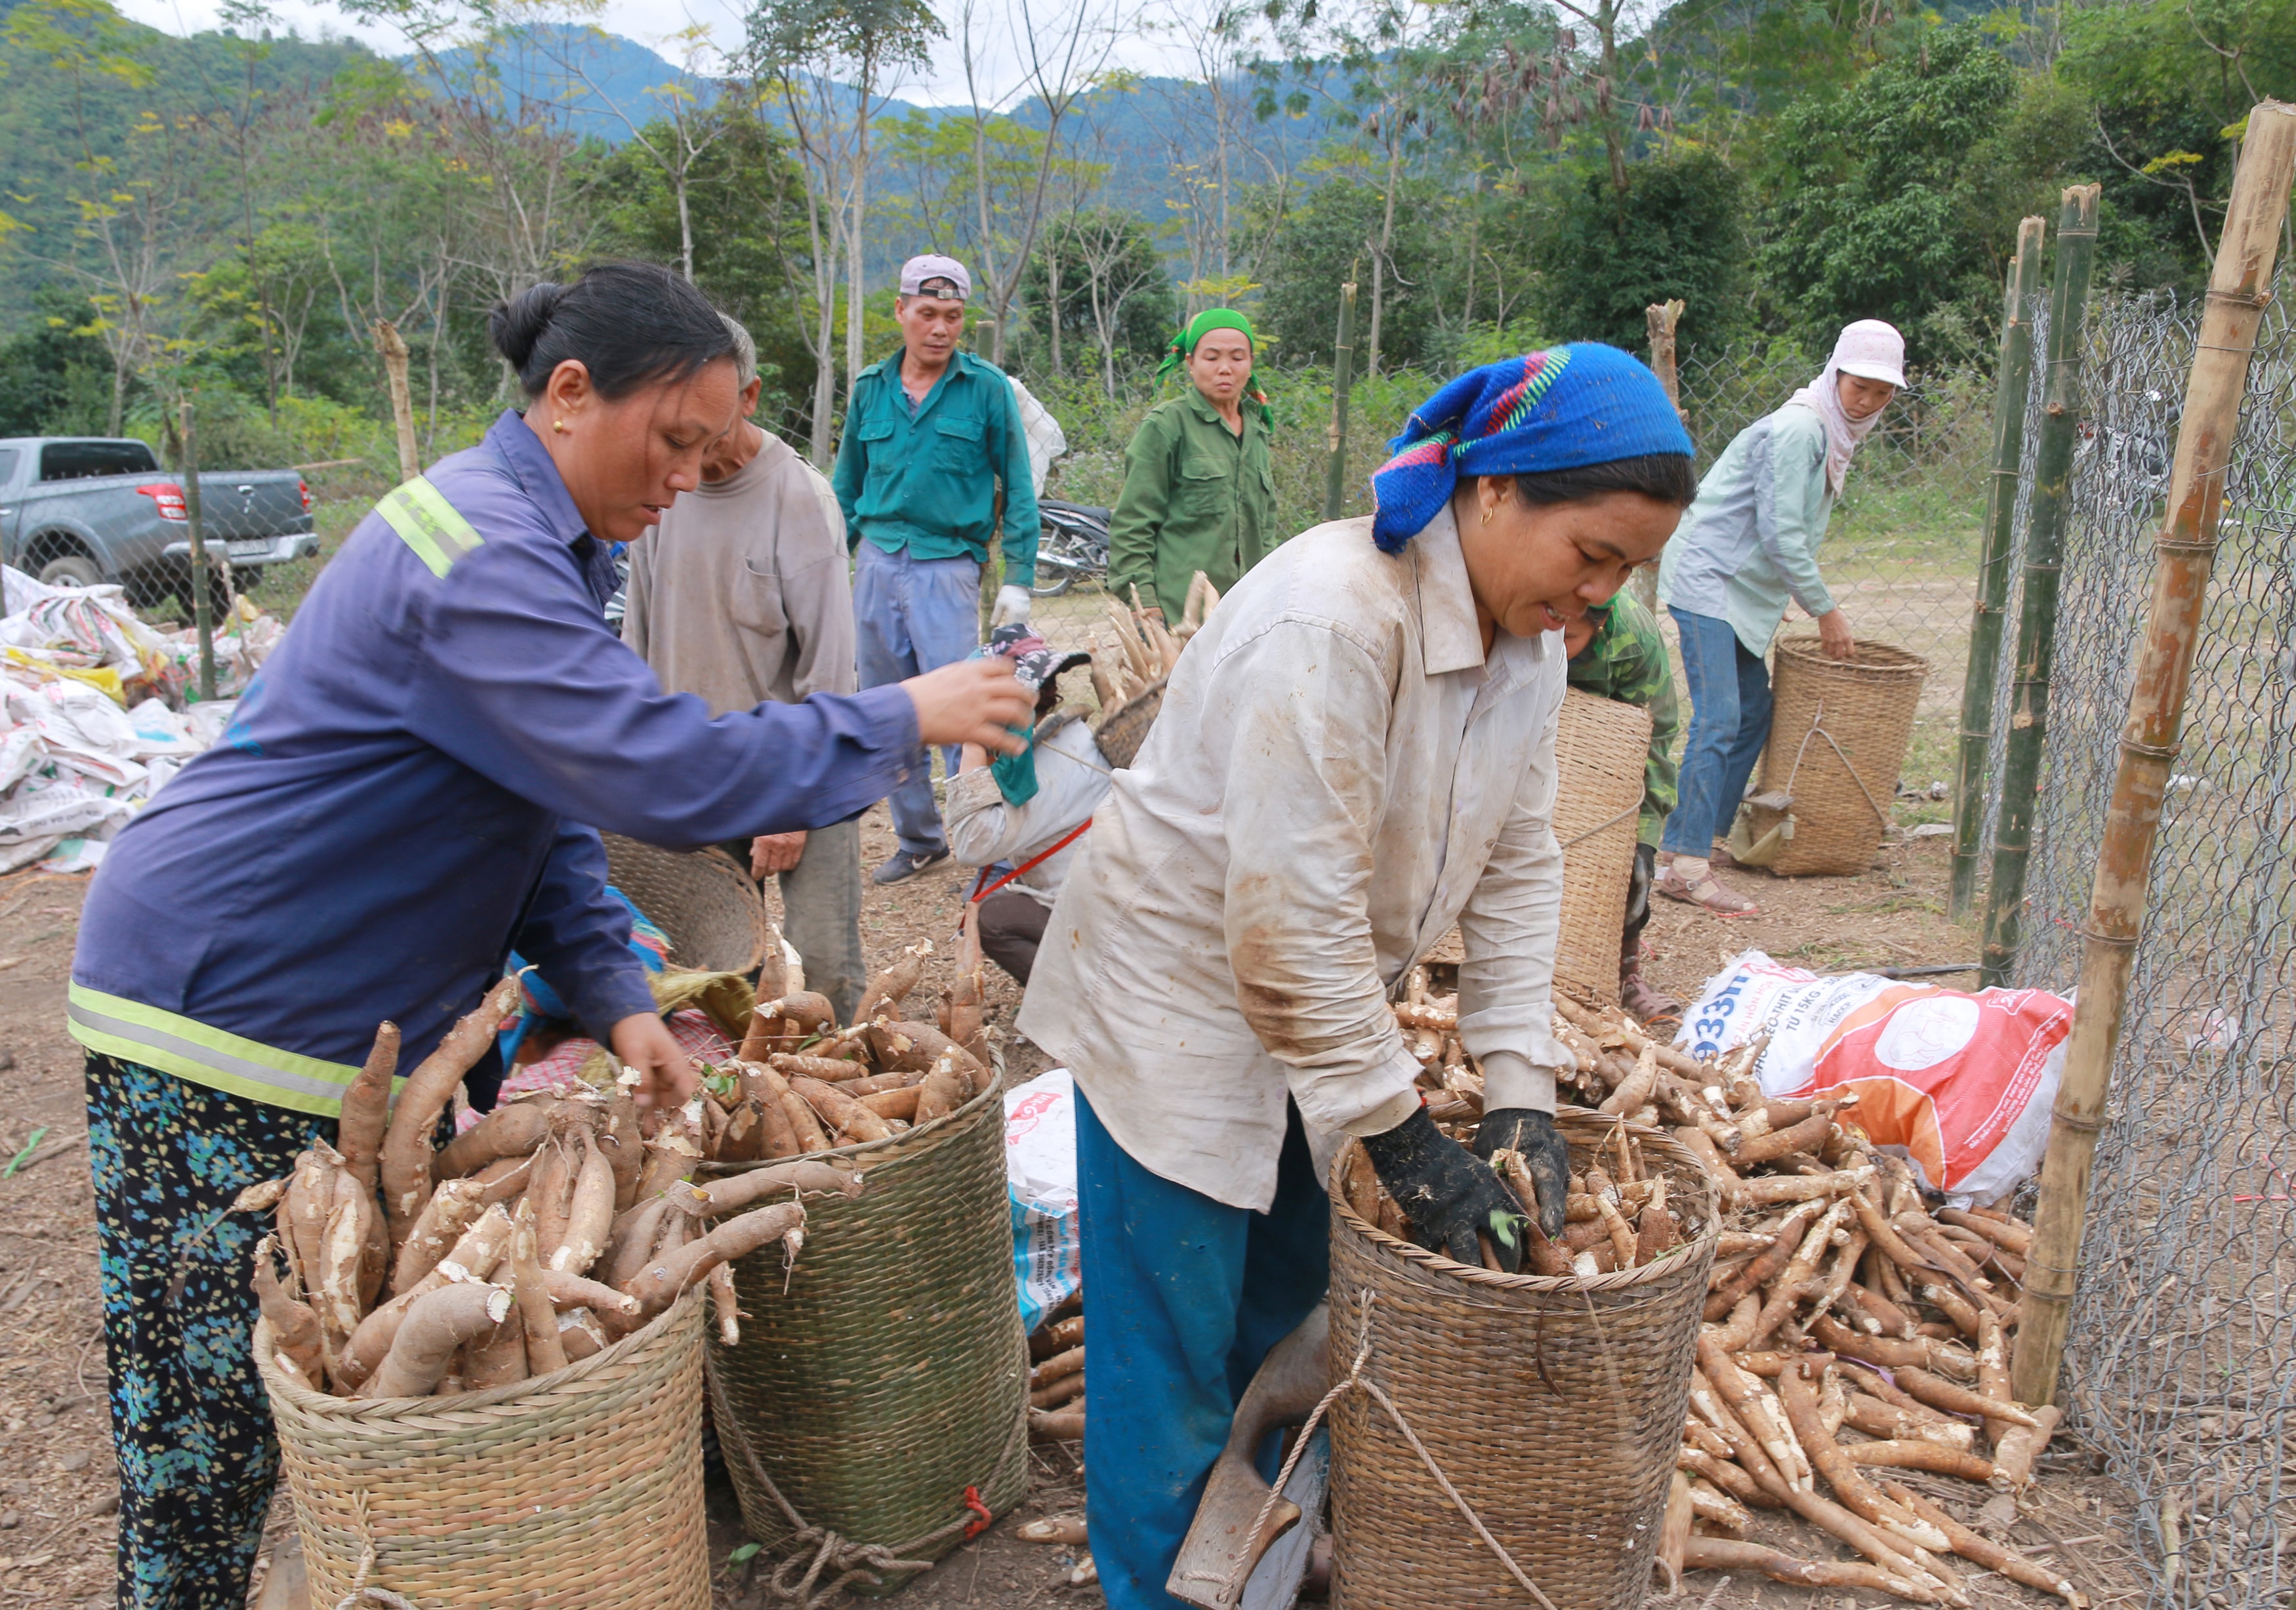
column 1012, row 604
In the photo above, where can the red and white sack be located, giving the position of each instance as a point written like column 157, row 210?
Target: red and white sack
column 1963, row 1083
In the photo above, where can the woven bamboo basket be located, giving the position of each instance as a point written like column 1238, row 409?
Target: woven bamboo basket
column 1838, row 737
column 1599, row 748
column 577, row 1488
column 1600, row 745
column 1124, row 729
column 1553, row 1406
column 889, row 1373
column 707, row 906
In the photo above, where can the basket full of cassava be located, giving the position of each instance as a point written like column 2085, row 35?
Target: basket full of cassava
column 1525, row 1425
column 485, row 1361
column 881, row 1392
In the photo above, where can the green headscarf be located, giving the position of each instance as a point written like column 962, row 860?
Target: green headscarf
column 1184, row 346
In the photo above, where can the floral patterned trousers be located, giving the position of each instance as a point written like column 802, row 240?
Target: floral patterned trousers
column 192, row 1426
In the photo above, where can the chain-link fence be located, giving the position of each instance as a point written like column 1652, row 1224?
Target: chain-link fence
column 2181, row 1366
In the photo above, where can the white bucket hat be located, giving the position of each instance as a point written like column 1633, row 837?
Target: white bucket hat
column 1871, row 350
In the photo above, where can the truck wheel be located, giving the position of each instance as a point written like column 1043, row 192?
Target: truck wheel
column 72, row 569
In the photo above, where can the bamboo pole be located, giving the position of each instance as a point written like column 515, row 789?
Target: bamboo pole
column 1343, row 357
column 2016, row 373
column 393, row 348
column 203, row 611
column 2036, row 619
column 1661, row 319
column 2238, row 289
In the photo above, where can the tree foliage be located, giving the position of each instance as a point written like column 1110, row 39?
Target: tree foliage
column 1678, row 231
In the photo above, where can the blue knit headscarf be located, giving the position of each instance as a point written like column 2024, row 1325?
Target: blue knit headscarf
column 1563, row 409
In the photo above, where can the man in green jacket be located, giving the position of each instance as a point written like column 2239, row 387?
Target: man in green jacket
column 1616, row 653
column 932, row 436
column 1199, row 491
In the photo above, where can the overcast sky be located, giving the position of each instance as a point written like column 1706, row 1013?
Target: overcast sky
column 651, row 22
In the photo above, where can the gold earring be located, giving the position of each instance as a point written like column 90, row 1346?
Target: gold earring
column 1487, row 508
column 559, row 425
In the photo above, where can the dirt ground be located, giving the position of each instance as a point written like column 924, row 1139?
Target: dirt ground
column 57, row 1493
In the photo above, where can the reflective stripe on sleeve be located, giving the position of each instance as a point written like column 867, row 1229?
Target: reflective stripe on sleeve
column 135, row 1032
column 428, row 523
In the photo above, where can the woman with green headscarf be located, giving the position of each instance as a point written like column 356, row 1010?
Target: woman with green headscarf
column 1199, row 492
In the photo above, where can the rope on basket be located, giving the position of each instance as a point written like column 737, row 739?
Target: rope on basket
column 1818, row 730
column 1633, row 809
column 818, row 1551
column 361, row 1593
column 1357, row 1382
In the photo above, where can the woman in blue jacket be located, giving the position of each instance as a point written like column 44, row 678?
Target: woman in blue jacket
column 412, row 788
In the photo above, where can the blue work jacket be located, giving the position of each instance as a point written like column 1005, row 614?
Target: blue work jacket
column 400, row 800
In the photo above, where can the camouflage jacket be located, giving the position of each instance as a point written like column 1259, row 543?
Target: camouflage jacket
column 1627, row 661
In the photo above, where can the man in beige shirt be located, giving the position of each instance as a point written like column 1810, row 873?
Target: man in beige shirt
column 742, row 596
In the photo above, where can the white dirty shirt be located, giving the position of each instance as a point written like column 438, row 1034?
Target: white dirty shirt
column 1336, row 777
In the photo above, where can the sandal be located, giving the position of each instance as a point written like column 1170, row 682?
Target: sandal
column 1708, row 891
column 1656, row 1008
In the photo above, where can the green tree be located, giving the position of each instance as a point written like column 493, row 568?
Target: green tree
column 1335, row 231
column 1099, row 282
column 2172, row 82
column 743, row 211
column 1887, row 200
column 53, row 363
column 1677, row 231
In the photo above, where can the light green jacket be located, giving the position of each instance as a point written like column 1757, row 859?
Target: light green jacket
column 1749, row 544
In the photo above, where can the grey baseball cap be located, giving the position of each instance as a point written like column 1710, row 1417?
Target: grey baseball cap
column 920, row 272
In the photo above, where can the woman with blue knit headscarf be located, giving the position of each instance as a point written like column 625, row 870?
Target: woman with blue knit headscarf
column 1356, row 752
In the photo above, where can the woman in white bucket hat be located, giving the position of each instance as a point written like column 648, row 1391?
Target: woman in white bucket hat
column 1747, row 548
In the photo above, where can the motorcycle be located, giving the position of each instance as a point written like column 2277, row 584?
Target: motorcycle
column 1072, row 544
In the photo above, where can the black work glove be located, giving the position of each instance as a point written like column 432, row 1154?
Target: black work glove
column 1447, row 1194
column 1544, row 1153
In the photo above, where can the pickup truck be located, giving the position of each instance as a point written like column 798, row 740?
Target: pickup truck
column 78, row 510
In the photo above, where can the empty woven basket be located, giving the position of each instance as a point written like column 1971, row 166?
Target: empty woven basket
column 1554, row 1406
column 1838, row 739
column 708, row 906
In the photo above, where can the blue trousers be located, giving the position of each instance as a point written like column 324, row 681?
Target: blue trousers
column 912, row 616
column 1184, row 1296
column 1729, row 724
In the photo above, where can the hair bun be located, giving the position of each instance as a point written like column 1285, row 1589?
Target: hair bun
column 516, row 325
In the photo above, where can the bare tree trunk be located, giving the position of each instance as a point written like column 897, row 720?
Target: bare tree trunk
column 685, row 222
column 856, row 208
column 824, row 351
column 1053, row 276
column 1379, row 258
column 1474, row 227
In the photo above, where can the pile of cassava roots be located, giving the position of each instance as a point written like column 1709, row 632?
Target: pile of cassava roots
column 1856, row 1340
column 548, row 1231
column 801, row 1084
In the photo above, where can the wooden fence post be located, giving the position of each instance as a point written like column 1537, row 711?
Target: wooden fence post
column 1343, row 357
column 2037, row 618
column 1983, row 675
column 393, row 348
column 1661, row 319
column 203, row 609
column 2238, row 289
